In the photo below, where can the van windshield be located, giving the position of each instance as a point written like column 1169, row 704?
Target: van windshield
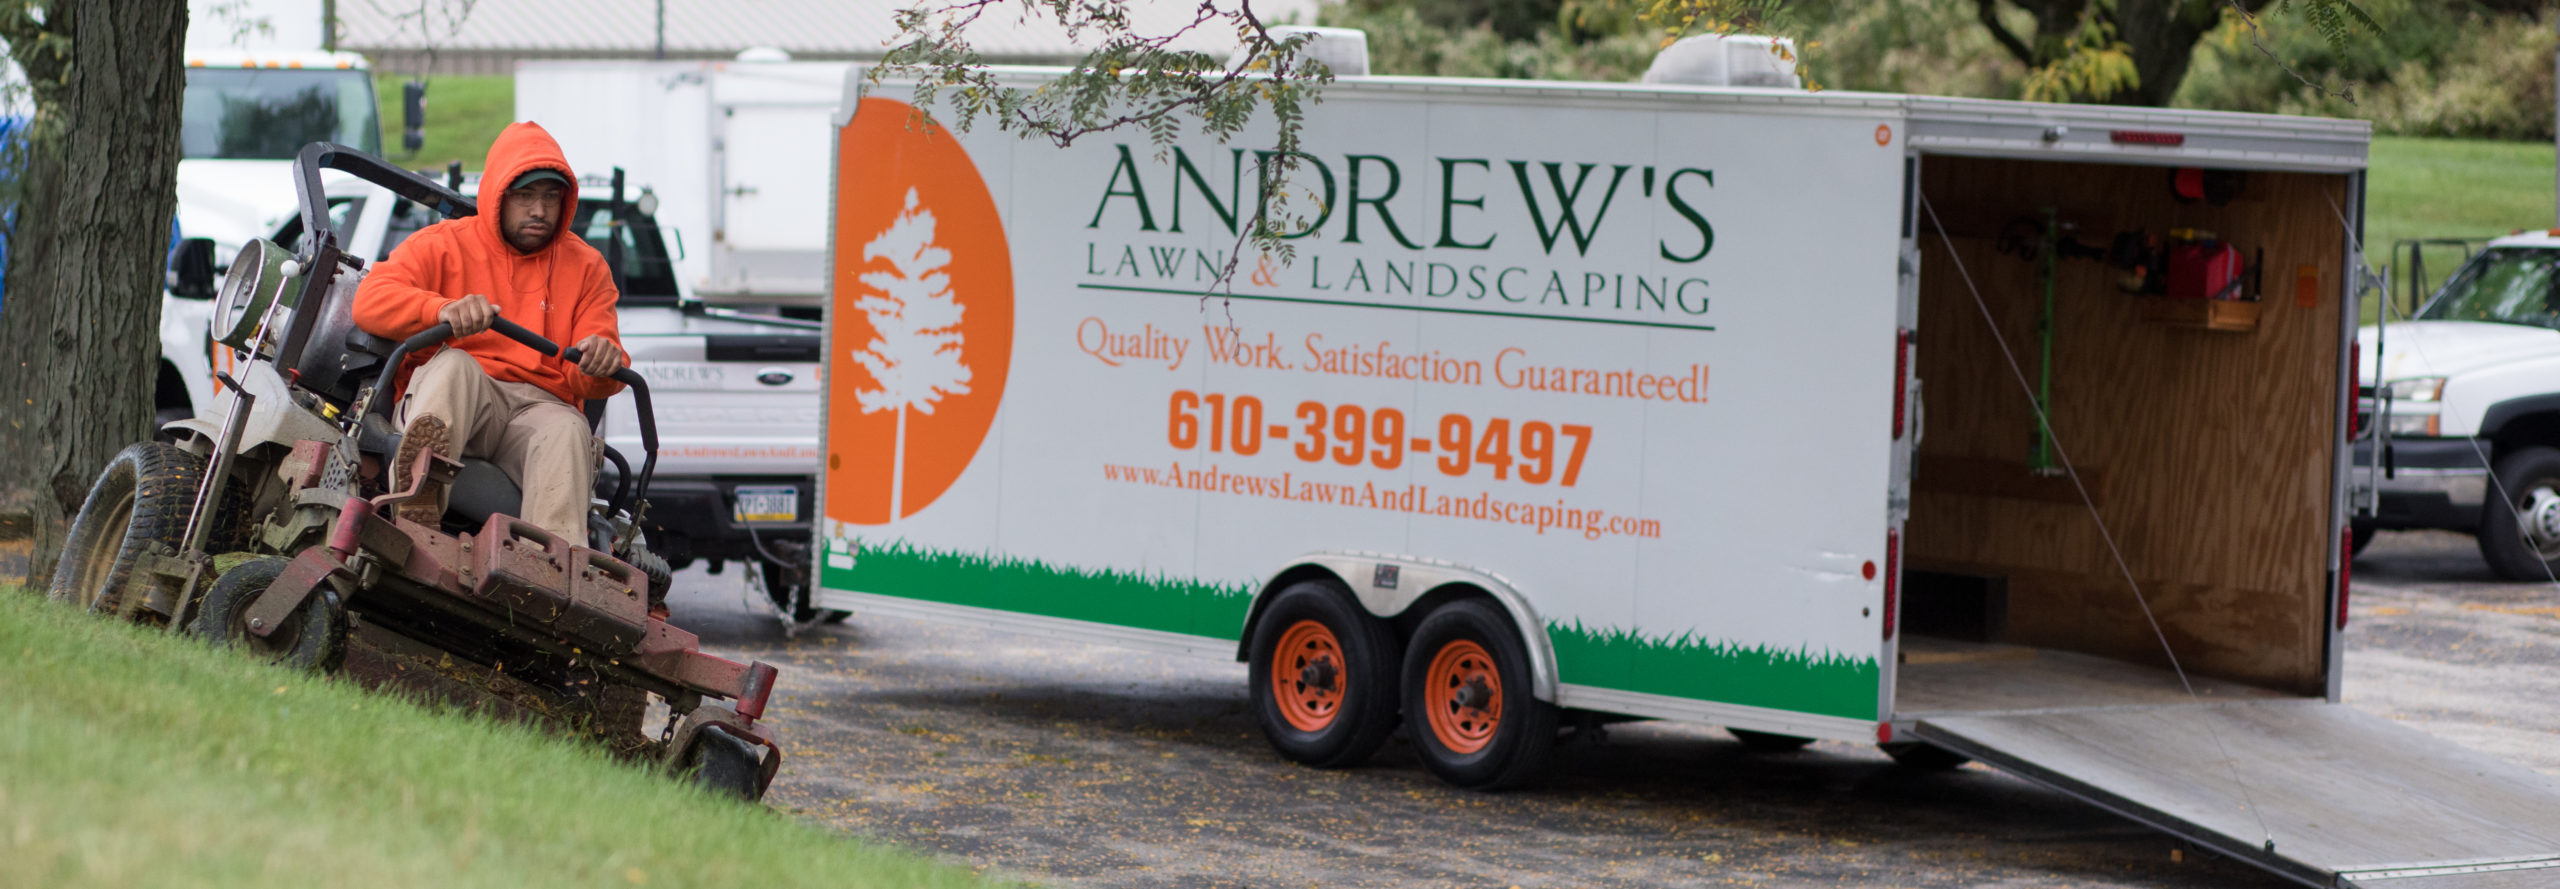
column 270, row 113
column 2506, row 285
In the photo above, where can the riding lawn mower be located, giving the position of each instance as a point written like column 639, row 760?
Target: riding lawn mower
column 276, row 531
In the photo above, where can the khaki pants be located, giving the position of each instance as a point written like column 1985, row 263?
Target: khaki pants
column 533, row 436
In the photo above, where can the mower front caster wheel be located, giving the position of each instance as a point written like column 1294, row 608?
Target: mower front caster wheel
column 726, row 765
column 313, row 638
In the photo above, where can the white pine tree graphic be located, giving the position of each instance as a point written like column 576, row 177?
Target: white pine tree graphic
column 915, row 352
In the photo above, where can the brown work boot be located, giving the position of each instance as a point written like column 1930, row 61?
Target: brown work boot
column 427, row 433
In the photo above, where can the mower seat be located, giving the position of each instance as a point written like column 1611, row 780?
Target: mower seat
column 479, row 491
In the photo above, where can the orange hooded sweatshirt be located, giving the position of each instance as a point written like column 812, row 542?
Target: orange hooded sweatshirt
column 562, row 291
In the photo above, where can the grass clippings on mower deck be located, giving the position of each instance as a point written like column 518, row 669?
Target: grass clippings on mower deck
column 130, row 758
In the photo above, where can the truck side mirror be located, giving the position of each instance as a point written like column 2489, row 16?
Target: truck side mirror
column 413, row 116
column 191, row 269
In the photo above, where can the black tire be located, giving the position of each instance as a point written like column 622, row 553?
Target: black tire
column 2363, row 538
column 1767, row 742
column 1329, row 699
column 313, row 639
column 142, row 498
column 725, row 765
column 1915, row 755
column 1492, row 732
column 2530, row 551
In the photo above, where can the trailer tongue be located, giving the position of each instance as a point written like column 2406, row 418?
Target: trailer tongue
column 2311, row 790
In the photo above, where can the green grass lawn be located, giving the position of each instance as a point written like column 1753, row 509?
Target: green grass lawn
column 129, row 758
column 2431, row 188
column 464, row 115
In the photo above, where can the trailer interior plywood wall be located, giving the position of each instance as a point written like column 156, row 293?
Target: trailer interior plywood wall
column 2208, row 452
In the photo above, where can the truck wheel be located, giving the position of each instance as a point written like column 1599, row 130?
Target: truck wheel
column 141, row 499
column 1323, row 676
column 1915, row 755
column 313, row 639
column 1471, row 714
column 2520, row 535
column 1767, row 742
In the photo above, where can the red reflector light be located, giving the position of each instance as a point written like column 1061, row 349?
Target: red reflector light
column 1901, row 376
column 2355, row 378
column 2346, row 569
column 1892, row 579
column 2146, row 137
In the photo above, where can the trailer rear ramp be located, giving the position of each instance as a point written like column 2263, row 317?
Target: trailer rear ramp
column 2347, row 799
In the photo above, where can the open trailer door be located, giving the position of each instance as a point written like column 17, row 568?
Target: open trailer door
column 2315, row 791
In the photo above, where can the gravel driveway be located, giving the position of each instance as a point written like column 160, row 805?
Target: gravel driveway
column 1064, row 763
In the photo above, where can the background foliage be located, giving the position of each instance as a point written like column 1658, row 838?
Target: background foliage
column 2462, row 68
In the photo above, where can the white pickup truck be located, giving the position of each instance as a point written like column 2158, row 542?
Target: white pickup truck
column 2465, row 397
column 736, row 394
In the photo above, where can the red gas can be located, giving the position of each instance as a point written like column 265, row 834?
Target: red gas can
column 2203, row 270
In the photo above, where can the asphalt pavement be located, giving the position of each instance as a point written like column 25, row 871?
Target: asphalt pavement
column 1070, row 764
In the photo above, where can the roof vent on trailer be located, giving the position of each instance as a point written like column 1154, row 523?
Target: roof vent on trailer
column 1345, row 50
column 1726, row 60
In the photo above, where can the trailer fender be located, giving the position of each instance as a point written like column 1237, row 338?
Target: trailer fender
column 1387, row 585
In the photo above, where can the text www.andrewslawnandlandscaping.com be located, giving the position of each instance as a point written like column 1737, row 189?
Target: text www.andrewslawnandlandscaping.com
column 1415, row 499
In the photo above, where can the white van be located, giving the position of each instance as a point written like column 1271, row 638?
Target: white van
column 1580, row 402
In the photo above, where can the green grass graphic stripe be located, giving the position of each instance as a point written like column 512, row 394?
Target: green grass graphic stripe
column 1699, row 669
column 1129, row 599
column 1684, row 666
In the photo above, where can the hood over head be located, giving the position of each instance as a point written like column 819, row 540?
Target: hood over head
column 520, row 148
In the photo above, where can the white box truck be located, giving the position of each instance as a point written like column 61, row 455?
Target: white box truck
column 1581, row 402
column 738, row 151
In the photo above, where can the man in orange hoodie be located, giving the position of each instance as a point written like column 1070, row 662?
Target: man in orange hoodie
column 492, row 396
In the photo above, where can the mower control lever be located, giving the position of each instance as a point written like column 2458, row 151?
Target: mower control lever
column 536, row 342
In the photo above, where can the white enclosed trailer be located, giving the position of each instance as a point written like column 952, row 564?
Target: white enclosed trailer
column 1581, row 401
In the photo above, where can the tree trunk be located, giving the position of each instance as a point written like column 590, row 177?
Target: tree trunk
column 79, row 322
column 2161, row 36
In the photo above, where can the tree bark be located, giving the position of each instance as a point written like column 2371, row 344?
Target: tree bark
column 79, row 323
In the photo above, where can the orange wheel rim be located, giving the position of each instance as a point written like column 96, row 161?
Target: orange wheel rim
column 1463, row 696
column 1308, row 672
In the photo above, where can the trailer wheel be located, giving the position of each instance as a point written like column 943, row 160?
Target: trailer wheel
column 1472, row 716
column 1323, row 677
column 726, row 765
column 1915, row 755
column 313, row 639
column 2520, row 535
column 1767, row 742
column 141, row 499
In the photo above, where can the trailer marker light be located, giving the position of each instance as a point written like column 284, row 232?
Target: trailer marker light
column 2346, row 570
column 2146, row 137
column 1868, row 570
column 2355, row 377
column 1892, row 578
column 1901, row 376
column 1884, row 733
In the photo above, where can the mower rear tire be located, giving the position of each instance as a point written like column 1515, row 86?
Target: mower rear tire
column 313, row 639
column 726, row 765
column 141, row 499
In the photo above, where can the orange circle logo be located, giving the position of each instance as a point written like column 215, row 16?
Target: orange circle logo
column 922, row 317
column 1884, row 134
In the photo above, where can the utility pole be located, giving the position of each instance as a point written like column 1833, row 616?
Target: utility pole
column 662, row 36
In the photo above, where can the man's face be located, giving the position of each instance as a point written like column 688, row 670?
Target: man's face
column 530, row 215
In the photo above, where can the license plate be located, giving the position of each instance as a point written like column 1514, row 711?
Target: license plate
column 768, row 505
